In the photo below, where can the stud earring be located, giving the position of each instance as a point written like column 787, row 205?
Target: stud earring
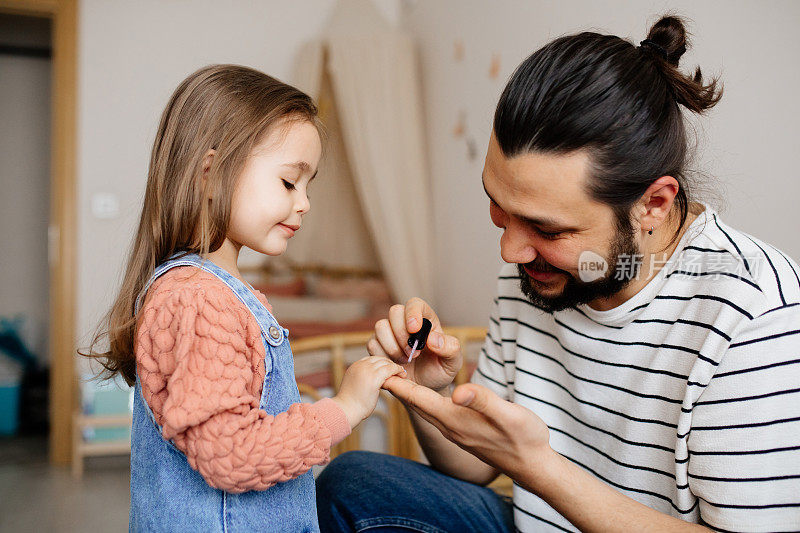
column 651, row 231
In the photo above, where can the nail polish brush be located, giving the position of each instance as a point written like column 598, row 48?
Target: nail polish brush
column 417, row 340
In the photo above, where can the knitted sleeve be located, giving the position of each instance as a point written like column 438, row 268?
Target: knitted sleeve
column 194, row 346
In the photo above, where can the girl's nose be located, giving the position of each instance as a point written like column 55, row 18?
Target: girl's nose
column 304, row 205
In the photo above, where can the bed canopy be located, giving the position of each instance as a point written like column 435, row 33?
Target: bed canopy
column 371, row 204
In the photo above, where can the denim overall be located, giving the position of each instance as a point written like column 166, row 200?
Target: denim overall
column 168, row 495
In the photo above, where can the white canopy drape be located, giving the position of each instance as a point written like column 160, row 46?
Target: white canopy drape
column 375, row 91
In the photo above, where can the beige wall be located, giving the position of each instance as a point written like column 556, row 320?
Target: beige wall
column 748, row 142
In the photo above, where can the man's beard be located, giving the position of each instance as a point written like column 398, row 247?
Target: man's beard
column 576, row 292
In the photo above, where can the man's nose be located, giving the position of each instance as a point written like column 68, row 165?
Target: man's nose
column 515, row 247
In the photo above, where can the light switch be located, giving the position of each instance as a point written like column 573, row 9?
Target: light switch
column 105, row 205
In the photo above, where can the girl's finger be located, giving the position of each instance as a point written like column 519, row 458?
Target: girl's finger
column 387, row 364
column 390, row 369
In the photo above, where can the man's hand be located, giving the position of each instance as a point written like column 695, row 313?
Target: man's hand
column 439, row 360
column 500, row 433
column 515, row 441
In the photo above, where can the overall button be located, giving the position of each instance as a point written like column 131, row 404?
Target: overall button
column 274, row 332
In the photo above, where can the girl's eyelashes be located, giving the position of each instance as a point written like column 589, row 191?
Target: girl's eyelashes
column 288, row 184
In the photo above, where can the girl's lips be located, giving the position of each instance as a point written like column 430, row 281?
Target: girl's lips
column 540, row 276
column 289, row 229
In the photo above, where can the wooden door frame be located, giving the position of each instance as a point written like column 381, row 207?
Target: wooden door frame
column 63, row 207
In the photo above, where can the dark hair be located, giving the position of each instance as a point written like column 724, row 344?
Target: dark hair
column 618, row 101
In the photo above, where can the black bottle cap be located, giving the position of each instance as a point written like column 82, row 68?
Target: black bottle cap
column 421, row 337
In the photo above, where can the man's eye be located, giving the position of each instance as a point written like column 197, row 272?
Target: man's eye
column 547, row 234
column 288, row 184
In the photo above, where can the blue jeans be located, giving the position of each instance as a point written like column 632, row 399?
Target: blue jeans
column 366, row 491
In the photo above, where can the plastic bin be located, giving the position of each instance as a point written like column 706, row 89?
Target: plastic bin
column 9, row 408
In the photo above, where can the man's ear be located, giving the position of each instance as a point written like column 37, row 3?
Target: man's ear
column 656, row 202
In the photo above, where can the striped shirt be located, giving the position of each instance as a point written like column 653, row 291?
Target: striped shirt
column 685, row 398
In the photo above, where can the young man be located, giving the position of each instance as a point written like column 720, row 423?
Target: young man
column 642, row 366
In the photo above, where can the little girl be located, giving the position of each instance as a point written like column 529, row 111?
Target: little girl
column 220, row 439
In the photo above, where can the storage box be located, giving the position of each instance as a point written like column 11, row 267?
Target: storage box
column 10, row 381
column 107, row 397
column 9, row 408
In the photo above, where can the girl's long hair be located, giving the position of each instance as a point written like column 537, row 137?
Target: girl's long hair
column 225, row 108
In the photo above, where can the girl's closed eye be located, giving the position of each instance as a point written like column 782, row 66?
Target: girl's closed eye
column 288, row 184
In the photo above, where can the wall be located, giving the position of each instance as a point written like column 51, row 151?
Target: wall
column 747, row 142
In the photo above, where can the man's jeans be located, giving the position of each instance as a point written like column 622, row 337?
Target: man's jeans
column 366, row 491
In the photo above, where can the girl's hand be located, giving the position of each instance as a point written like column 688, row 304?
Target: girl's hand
column 439, row 361
column 361, row 385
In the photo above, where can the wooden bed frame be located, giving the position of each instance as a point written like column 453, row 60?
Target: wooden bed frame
column 401, row 440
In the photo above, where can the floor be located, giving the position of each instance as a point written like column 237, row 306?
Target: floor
column 38, row 497
column 35, row 496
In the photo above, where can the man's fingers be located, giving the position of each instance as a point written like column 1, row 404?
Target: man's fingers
column 432, row 421
column 403, row 390
column 375, row 349
column 435, row 409
column 476, row 397
column 445, row 346
column 418, row 397
column 415, row 310
column 398, row 325
column 387, row 340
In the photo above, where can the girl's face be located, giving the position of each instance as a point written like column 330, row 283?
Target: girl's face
column 271, row 195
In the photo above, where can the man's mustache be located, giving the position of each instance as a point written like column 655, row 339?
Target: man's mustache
column 543, row 266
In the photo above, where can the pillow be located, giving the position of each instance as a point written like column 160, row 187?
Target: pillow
column 294, row 287
column 309, row 308
column 372, row 289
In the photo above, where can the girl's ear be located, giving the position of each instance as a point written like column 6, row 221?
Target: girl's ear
column 207, row 160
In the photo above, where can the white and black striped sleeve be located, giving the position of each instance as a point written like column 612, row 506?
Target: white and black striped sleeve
column 744, row 444
column 491, row 369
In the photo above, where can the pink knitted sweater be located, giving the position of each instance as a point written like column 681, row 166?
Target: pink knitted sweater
column 200, row 360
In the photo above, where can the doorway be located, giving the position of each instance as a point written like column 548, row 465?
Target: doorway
column 60, row 255
column 25, row 79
